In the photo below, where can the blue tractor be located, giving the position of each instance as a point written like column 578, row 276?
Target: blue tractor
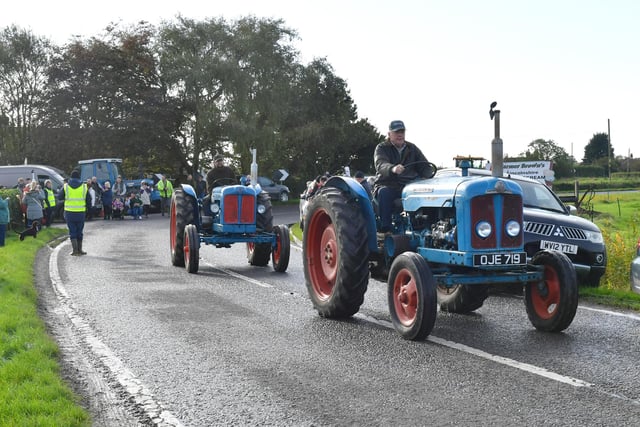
column 230, row 214
column 453, row 237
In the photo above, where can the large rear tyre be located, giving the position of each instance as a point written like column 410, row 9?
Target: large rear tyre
column 335, row 254
column 462, row 298
column 191, row 248
column 258, row 253
column 280, row 255
column 181, row 214
column 552, row 303
column 412, row 296
column 264, row 221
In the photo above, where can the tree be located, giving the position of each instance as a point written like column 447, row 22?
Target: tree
column 541, row 149
column 24, row 59
column 597, row 148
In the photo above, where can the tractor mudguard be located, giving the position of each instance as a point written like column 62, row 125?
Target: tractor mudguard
column 189, row 190
column 353, row 187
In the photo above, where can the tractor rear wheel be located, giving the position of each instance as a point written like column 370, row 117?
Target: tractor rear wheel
column 280, row 255
column 258, row 253
column 552, row 303
column 181, row 215
column 335, row 254
column 191, row 248
column 462, row 298
column 412, row 296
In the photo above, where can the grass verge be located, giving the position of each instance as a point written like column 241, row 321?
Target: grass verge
column 31, row 389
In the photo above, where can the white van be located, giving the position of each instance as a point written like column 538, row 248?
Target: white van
column 9, row 175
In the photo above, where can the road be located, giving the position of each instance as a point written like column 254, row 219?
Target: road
column 147, row 343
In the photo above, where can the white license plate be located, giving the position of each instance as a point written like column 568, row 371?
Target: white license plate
column 562, row 247
column 512, row 258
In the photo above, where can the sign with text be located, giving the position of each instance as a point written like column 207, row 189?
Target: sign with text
column 540, row 170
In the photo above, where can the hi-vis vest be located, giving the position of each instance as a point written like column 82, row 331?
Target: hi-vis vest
column 165, row 189
column 51, row 197
column 75, row 199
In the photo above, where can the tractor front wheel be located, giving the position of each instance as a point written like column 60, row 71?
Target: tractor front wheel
column 412, row 296
column 552, row 303
column 191, row 248
column 280, row 255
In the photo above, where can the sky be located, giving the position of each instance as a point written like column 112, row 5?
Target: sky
column 560, row 70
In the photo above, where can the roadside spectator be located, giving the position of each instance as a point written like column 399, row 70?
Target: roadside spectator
column 91, row 199
column 165, row 188
column 107, row 200
column 5, row 217
column 134, row 205
column 201, row 186
column 119, row 189
column 359, row 176
column 145, row 196
column 49, row 203
column 21, row 184
column 32, row 200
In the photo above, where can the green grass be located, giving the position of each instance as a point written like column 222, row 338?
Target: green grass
column 31, row 390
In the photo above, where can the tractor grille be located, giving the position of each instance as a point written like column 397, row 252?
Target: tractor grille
column 239, row 209
column 553, row 230
column 497, row 210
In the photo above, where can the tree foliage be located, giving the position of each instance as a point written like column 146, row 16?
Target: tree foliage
column 597, row 148
column 24, row 60
column 548, row 150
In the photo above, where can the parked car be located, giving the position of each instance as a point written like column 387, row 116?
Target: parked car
column 635, row 270
column 276, row 191
column 549, row 224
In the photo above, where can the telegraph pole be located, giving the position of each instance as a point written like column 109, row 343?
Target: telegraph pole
column 609, row 146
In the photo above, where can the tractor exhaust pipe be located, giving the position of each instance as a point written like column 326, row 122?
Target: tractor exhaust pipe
column 497, row 158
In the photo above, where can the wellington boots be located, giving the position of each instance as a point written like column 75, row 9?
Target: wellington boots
column 80, row 251
column 74, row 245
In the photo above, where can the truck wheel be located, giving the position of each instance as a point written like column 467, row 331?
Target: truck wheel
column 462, row 298
column 191, row 248
column 412, row 296
column 284, row 196
column 181, row 215
column 552, row 303
column 280, row 255
column 335, row 254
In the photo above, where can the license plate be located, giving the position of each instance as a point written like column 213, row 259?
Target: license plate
column 516, row 258
column 562, row 247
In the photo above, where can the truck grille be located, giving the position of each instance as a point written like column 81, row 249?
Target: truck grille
column 553, row 230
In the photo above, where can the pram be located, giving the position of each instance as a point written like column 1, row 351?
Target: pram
column 117, row 209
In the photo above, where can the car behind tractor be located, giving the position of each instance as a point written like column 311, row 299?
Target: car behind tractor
column 229, row 214
column 450, row 232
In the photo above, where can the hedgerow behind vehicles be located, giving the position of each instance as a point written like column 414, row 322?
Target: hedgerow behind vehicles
column 230, row 214
column 450, row 231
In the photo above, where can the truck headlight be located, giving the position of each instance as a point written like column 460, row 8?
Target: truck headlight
column 483, row 229
column 594, row 236
column 512, row 228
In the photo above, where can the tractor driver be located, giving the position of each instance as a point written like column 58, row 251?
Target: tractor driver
column 397, row 162
column 220, row 174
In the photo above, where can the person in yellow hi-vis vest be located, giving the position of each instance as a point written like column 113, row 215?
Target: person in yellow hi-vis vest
column 75, row 207
column 49, row 202
column 165, row 188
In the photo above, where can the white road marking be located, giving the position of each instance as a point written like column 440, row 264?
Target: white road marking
column 611, row 313
column 127, row 379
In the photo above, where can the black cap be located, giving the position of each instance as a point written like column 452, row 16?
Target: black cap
column 359, row 174
column 396, row 125
column 75, row 173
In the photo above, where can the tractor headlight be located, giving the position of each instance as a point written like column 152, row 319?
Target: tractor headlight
column 483, row 229
column 261, row 209
column 215, row 208
column 512, row 228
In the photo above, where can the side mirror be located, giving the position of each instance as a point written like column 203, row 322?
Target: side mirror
column 571, row 209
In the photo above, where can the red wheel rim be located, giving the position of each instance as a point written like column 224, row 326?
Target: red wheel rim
column 186, row 250
column 405, row 297
column 276, row 251
column 322, row 255
column 546, row 300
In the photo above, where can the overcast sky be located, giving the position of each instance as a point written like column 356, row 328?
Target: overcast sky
column 559, row 69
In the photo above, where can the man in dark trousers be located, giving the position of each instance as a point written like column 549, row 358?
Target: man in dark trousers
column 75, row 206
column 397, row 162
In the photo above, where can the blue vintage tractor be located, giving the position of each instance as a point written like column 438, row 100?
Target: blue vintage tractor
column 453, row 235
column 230, row 214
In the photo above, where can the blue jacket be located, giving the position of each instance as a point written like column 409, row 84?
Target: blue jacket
column 5, row 216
